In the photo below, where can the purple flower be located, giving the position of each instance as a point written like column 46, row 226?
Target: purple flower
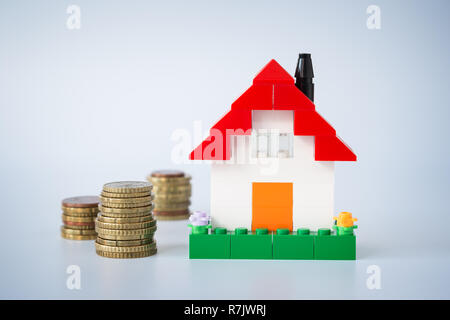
column 199, row 218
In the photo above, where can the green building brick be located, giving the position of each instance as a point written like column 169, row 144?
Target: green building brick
column 328, row 246
column 210, row 246
column 297, row 246
column 246, row 245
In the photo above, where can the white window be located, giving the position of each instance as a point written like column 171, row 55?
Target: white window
column 272, row 144
column 263, row 145
column 285, row 142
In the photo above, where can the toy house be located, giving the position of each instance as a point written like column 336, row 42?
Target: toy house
column 272, row 158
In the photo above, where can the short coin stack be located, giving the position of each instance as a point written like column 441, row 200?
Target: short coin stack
column 172, row 190
column 125, row 225
column 78, row 216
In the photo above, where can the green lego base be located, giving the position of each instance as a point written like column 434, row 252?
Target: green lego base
column 256, row 245
column 261, row 244
column 333, row 247
column 210, row 246
column 297, row 246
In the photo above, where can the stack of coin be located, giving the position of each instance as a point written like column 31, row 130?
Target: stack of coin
column 125, row 224
column 78, row 216
column 172, row 190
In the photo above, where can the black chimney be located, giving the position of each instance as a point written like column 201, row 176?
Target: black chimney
column 304, row 75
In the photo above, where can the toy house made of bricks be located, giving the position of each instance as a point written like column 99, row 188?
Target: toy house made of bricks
column 273, row 158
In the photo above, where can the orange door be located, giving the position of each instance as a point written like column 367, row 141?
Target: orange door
column 272, row 205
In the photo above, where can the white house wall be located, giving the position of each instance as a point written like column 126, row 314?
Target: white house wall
column 313, row 181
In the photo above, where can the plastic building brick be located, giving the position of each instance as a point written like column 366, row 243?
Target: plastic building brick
column 257, row 97
column 272, row 205
column 297, row 246
column 199, row 222
column 304, row 75
column 344, row 224
column 345, row 219
column 205, row 246
column 273, row 73
column 217, row 145
column 311, row 123
column 238, row 121
column 210, row 246
column 199, row 152
column 329, row 246
column 332, row 148
column 257, row 245
column 288, row 97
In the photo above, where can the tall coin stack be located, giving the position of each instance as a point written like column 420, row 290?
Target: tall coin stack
column 125, row 224
column 172, row 190
column 78, row 217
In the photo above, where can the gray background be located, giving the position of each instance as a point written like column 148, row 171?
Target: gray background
column 84, row 107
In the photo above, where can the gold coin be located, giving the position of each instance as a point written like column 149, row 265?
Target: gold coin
column 126, row 232
column 126, row 238
column 169, row 187
column 105, row 200
column 127, row 255
column 106, row 219
column 66, row 217
column 172, row 213
column 78, row 237
column 124, row 243
column 147, row 198
column 125, row 195
column 80, row 212
column 125, row 226
column 168, row 217
column 80, row 202
column 171, row 203
column 167, row 173
column 185, row 178
column 142, row 210
column 128, row 187
column 170, row 184
column 80, row 227
column 126, row 205
column 172, row 193
column 172, row 197
column 143, row 247
column 171, row 206
column 66, row 230
column 125, row 215
column 169, row 209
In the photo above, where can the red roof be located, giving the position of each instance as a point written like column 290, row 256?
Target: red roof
column 273, row 89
